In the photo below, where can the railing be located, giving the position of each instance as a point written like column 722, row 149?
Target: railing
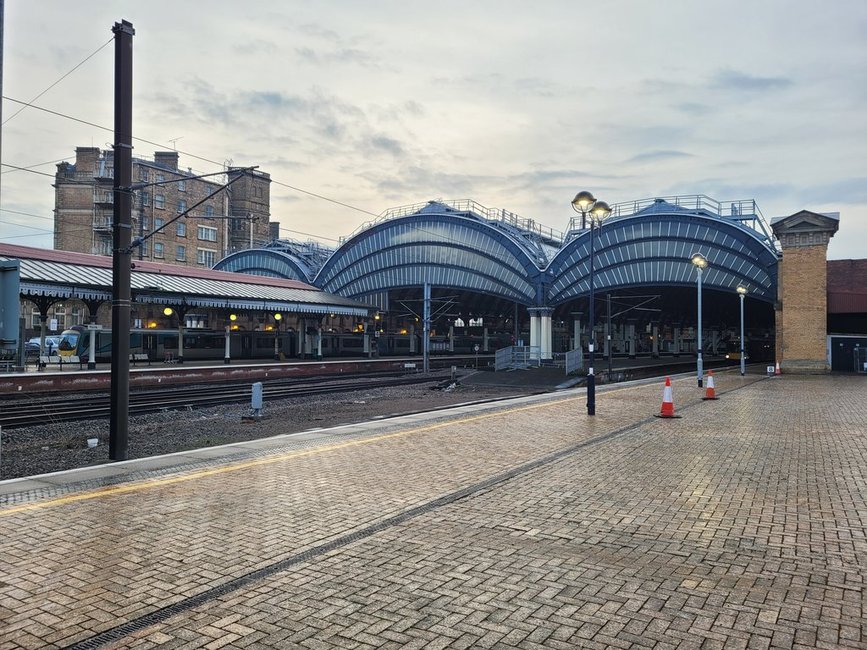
column 517, row 357
column 743, row 210
column 465, row 205
column 102, row 247
column 103, row 196
column 102, row 222
column 574, row 361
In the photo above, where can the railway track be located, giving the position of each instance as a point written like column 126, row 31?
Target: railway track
column 86, row 407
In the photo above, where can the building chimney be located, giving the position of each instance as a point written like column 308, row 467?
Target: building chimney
column 86, row 159
column 168, row 159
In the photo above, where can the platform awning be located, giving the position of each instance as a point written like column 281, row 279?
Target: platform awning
column 68, row 275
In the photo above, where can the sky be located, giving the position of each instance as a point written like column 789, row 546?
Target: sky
column 357, row 107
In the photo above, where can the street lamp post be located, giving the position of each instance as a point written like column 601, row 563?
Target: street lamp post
column 742, row 292
column 585, row 204
column 167, row 312
column 277, row 317
column 700, row 262
column 227, row 356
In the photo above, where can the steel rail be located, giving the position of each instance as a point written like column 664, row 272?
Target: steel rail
column 93, row 406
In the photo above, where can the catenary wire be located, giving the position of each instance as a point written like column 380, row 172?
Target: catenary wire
column 28, row 167
column 85, row 60
column 437, row 236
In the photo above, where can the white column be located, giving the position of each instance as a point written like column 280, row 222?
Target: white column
column 451, row 338
column 534, row 328
column 227, row 357
column 545, row 334
column 576, row 334
column 655, row 341
column 630, row 340
column 485, row 339
column 91, row 353
column 319, row 342
column 412, row 345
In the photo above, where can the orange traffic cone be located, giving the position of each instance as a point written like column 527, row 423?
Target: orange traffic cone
column 667, row 410
column 777, row 370
column 709, row 393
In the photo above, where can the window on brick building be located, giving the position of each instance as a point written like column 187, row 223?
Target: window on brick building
column 160, row 178
column 209, row 211
column 181, row 254
column 181, row 229
column 159, row 249
column 206, row 256
column 145, row 199
column 159, row 201
column 144, row 174
column 158, row 223
column 60, row 314
column 206, row 233
column 182, row 206
column 182, row 186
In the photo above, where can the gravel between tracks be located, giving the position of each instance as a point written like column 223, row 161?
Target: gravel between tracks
column 63, row 445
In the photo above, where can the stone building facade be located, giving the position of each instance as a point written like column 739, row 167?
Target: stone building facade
column 802, row 290
column 226, row 220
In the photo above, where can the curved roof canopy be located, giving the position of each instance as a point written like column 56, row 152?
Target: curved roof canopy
column 280, row 259
column 438, row 244
column 654, row 247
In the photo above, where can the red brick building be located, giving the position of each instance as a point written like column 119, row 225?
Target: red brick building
column 227, row 221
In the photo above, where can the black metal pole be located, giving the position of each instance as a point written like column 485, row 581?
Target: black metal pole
column 121, row 254
column 610, row 340
column 743, row 359
column 591, row 378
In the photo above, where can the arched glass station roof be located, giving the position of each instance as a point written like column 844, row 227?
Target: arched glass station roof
column 464, row 246
column 279, row 259
column 440, row 244
column 654, row 246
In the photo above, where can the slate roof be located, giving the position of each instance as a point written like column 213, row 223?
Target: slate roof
column 78, row 275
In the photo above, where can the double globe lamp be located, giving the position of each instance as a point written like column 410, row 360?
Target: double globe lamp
column 586, row 205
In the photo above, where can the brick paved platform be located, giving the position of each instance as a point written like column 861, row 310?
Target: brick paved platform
column 528, row 524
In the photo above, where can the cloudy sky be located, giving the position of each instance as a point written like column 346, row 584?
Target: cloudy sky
column 515, row 105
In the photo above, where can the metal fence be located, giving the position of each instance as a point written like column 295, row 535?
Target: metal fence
column 517, row 357
column 574, row 361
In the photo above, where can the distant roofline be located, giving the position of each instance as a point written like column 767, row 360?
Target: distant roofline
column 156, row 268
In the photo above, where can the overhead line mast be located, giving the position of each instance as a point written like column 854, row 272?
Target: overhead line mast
column 118, row 441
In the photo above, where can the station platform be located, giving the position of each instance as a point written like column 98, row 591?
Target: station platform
column 527, row 524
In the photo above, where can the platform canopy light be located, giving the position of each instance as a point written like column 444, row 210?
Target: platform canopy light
column 233, row 317
column 278, row 316
column 167, row 311
column 700, row 263
column 742, row 293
